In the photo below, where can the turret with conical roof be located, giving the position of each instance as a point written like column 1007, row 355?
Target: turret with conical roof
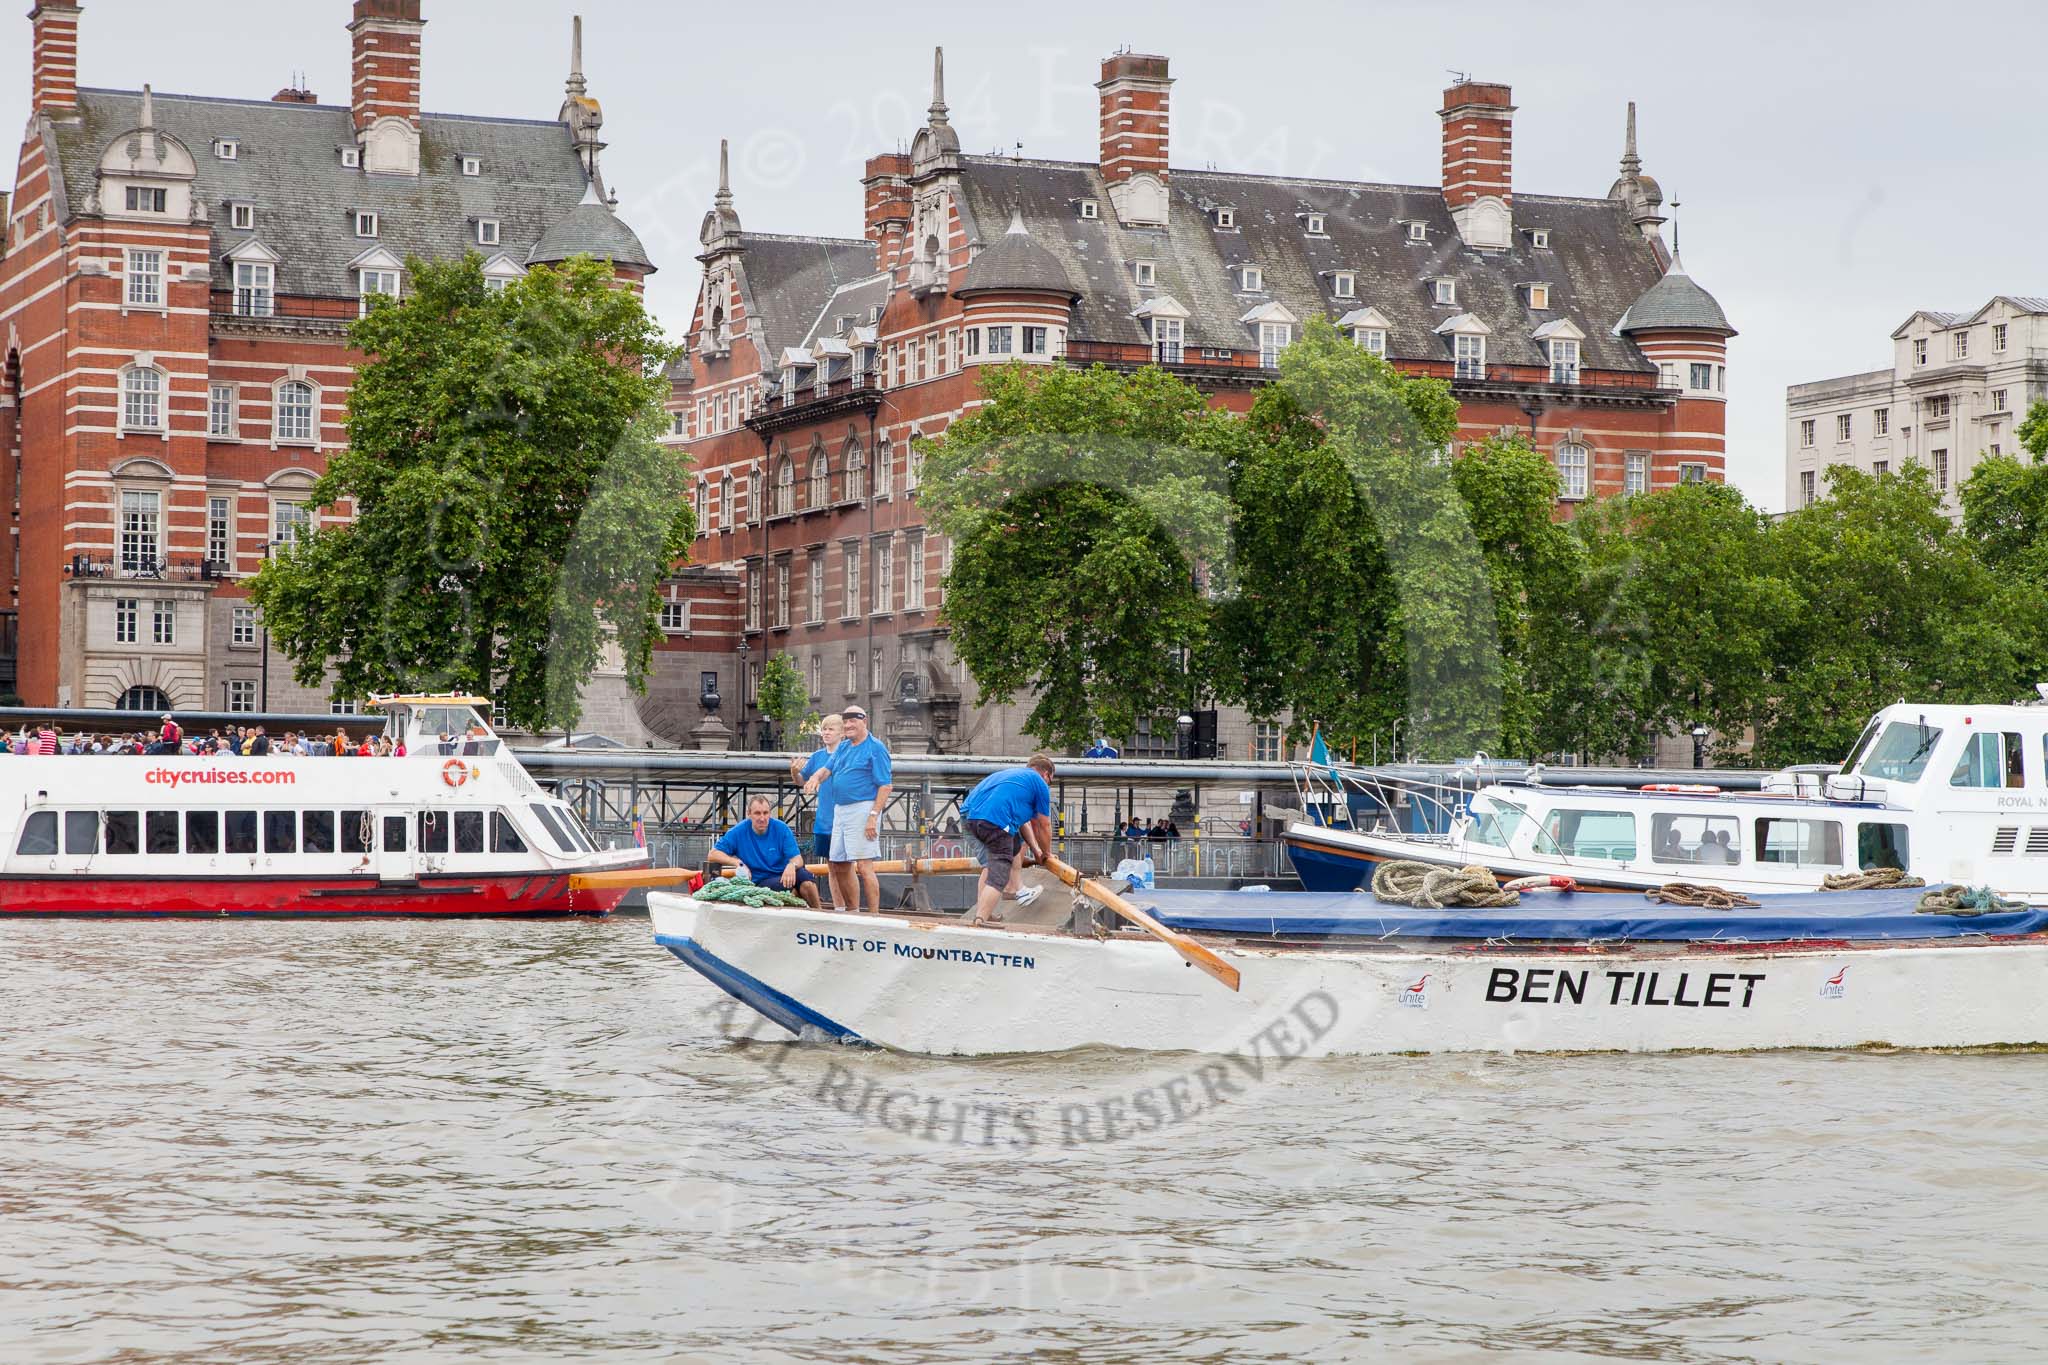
column 1675, row 303
column 591, row 229
column 1017, row 264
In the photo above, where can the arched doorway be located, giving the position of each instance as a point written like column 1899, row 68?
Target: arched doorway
column 144, row 698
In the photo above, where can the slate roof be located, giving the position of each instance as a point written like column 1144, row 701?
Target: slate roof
column 290, row 168
column 1597, row 264
column 860, row 301
column 590, row 229
column 790, row 279
column 1675, row 302
column 1016, row 262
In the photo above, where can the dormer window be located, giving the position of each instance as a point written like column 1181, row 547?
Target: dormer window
column 1919, row 350
column 1564, row 360
column 486, row 232
column 375, row 283
column 227, row 149
column 1539, row 296
column 1445, row 291
column 242, row 217
column 472, row 165
column 1343, row 284
column 1315, row 225
column 1418, row 232
column 1144, row 273
column 1250, row 279
column 1226, row 218
column 351, row 157
column 1090, row 209
column 366, row 223
column 1540, row 238
column 144, row 199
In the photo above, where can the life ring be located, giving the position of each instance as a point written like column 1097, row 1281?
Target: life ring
column 1689, row 788
column 1551, row 883
column 455, row 772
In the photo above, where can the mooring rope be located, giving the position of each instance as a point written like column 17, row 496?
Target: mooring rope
column 1965, row 900
column 1699, row 897
column 1877, row 879
column 1428, row 887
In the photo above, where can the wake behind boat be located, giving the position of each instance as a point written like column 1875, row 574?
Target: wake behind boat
column 1322, row 975
column 1944, row 793
column 453, row 827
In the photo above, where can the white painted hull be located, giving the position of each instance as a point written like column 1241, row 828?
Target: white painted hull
column 929, row 987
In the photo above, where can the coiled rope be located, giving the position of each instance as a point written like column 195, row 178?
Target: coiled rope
column 1965, row 900
column 1697, row 896
column 1877, row 879
column 1428, row 887
column 740, row 891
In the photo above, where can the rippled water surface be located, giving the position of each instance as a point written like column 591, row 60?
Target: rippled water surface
column 344, row 1141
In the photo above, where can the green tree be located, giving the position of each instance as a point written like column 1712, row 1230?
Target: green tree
column 1362, row 594
column 783, row 698
column 513, row 511
column 1081, row 504
column 1892, row 601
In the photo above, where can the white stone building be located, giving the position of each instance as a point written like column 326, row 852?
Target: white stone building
column 1958, row 386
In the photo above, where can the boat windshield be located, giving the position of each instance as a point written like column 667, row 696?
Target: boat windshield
column 1493, row 823
column 1901, row 752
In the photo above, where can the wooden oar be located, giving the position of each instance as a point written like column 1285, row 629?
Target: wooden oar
column 1181, row 943
column 921, row 867
column 630, row 877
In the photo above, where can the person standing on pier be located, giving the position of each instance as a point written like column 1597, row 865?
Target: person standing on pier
column 1008, row 808
column 860, row 773
column 829, row 732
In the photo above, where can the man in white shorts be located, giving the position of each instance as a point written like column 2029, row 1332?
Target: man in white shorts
column 860, row 773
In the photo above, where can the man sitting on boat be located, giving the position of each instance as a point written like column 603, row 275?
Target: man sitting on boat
column 766, row 847
column 1008, row 807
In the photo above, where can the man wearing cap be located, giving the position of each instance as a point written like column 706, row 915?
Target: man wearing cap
column 860, row 774
column 1006, row 808
column 766, row 847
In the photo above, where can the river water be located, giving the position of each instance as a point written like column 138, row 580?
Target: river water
column 511, row 1141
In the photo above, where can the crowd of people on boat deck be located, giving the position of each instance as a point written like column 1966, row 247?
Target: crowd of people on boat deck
column 242, row 741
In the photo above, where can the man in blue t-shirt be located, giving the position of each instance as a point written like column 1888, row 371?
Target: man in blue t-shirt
column 860, row 773
column 767, row 849
column 1006, row 808
column 829, row 731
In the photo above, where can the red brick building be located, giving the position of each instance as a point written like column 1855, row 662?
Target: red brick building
column 177, row 275
column 815, row 362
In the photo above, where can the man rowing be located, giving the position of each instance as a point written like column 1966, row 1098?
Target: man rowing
column 1009, row 807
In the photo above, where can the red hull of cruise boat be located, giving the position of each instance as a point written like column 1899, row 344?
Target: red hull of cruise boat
column 438, row 897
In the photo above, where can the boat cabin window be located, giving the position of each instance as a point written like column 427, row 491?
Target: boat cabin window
column 1881, row 845
column 1862, row 746
column 469, row 831
column 504, row 836
column 124, row 832
column 316, row 831
column 1990, row 760
column 433, row 831
column 394, row 834
column 1493, row 824
column 1695, row 839
column 81, row 831
column 241, row 826
column 1606, row 834
column 1901, row 752
column 1802, row 843
column 356, row 831
column 202, row 831
column 280, row 831
column 161, row 829
column 38, row 834
column 553, row 827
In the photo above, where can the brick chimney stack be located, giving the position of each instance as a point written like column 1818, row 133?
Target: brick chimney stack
column 887, row 182
column 1479, row 162
column 385, row 72
column 1134, row 95
column 55, row 79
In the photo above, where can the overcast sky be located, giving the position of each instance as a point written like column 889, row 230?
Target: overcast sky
column 1838, row 165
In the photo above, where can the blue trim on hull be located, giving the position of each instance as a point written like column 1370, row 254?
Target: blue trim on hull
column 753, row 992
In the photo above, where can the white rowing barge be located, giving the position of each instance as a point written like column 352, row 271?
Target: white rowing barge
column 1327, row 975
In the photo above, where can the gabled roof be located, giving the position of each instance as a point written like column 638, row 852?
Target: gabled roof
column 289, row 166
column 1597, row 264
column 789, row 280
column 1939, row 319
column 2020, row 303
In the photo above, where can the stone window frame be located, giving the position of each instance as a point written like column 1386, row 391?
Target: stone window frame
column 132, row 275
column 159, row 395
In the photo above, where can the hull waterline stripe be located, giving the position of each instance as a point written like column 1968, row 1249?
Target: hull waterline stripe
column 753, row 992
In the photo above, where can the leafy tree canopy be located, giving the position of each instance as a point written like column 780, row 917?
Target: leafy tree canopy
column 513, row 509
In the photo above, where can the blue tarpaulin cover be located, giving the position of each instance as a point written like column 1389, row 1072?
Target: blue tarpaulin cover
column 1576, row 917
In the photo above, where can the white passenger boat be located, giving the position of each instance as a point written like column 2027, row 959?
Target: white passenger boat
column 454, row 827
column 1945, row 793
column 1339, row 973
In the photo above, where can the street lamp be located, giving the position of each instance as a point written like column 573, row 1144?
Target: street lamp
column 1186, row 728
column 1699, row 746
column 742, row 652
